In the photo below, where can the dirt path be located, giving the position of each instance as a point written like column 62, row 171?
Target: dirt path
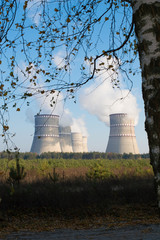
column 138, row 232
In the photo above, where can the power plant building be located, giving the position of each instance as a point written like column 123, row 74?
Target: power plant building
column 46, row 135
column 65, row 139
column 50, row 137
column 84, row 143
column 77, row 142
column 122, row 137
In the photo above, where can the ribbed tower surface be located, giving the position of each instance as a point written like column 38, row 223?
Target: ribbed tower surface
column 65, row 139
column 77, row 142
column 46, row 136
column 122, row 137
column 84, row 143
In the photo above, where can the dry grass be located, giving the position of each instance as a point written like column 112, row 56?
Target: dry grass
column 39, row 203
column 72, row 190
column 67, row 173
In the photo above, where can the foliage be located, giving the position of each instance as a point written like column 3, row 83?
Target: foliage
column 36, row 31
column 55, row 176
column 78, row 195
column 16, row 174
column 82, row 188
column 116, row 167
column 98, row 172
column 43, row 166
column 58, row 155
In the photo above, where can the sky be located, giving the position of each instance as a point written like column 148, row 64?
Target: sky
column 95, row 101
column 89, row 115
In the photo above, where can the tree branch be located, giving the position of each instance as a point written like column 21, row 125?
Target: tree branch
column 105, row 53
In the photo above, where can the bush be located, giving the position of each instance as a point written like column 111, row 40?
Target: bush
column 16, row 174
column 98, row 172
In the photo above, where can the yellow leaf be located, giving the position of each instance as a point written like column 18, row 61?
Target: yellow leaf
column 106, row 18
column 90, row 59
column 5, row 128
column 1, row 86
column 18, row 109
column 25, row 5
column 11, row 74
column 68, row 20
column 110, row 66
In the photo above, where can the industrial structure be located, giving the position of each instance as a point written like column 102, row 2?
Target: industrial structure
column 84, row 143
column 46, row 135
column 65, row 139
column 49, row 136
column 77, row 142
column 122, row 137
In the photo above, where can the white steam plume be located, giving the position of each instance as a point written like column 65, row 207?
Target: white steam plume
column 59, row 60
column 34, row 11
column 50, row 103
column 78, row 125
column 55, row 104
column 101, row 99
column 66, row 118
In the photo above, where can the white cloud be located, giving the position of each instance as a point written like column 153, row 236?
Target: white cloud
column 101, row 99
column 34, row 11
column 58, row 59
column 78, row 125
column 66, row 117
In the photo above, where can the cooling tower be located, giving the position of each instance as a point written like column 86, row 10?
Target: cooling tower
column 84, row 143
column 65, row 139
column 77, row 142
column 46, row 136
column 122, row 137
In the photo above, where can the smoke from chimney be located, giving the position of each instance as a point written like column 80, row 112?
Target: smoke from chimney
column 65, row 116
column 101, row 98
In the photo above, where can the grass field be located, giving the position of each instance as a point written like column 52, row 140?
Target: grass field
column 47, row 182
column 42, row 167
column 80, row 189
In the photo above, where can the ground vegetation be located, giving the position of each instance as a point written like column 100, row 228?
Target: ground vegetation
column 129, row 27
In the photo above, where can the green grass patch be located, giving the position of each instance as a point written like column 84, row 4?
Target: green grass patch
column 95, row 167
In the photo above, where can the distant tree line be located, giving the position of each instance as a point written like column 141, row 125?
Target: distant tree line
column 57, row 155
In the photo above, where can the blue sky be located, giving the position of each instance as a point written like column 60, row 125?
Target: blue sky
column 90, row 112
column 22, row 123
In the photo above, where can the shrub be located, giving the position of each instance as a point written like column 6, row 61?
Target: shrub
column 16, row 174
column 98, row 172
column 55, row 176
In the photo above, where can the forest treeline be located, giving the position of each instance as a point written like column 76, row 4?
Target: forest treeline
column 57, row 155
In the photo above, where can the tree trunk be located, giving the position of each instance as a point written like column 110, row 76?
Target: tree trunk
column 146, row 16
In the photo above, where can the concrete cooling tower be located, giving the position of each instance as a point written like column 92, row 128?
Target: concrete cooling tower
column 46, row 136
column 65, row 139
column 122, row 137
column 50, row 137
column 84, row 143
column 77, row 142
